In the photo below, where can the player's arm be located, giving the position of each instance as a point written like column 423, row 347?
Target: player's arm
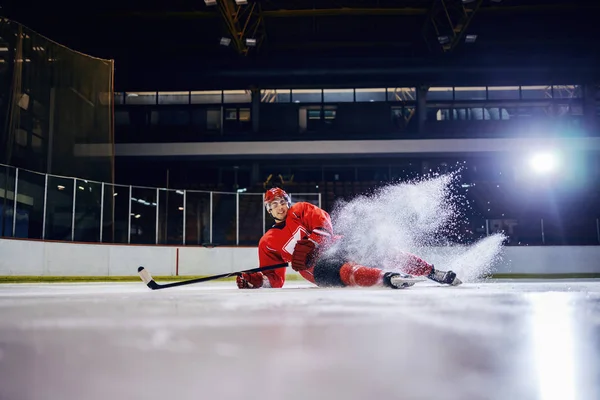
column 318, row 223
column 268, row 279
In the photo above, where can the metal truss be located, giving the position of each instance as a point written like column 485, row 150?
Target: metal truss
column 244, row 23
column 447, row 22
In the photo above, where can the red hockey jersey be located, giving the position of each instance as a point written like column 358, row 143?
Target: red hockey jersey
column 277, row 244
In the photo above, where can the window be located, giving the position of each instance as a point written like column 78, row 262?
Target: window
column 536, row 92
column 237, row 114
column 503, row 92
column 275, row 96
column 231, row 114
column 370, row 95
column 237, row 96
column 401, row 116
column 173, row 97
column 119, row 98
column 469, row 93
column 140, row 98
column 440, row 93
column 314, row 114
column 207, row 97
column 244, row 114
column 306, row 95
column 338, row 95
column 213, row 120
column 401, row 94
column 566, row 91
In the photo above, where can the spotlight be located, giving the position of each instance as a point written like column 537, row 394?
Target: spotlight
column 544, row 163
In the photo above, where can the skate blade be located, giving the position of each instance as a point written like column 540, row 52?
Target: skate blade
column 456, row 282
column 402, row 282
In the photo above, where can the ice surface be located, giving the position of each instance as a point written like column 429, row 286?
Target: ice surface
column 492, row 340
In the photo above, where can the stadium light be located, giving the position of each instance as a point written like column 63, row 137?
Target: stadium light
column 544, row 163
column 210, row 2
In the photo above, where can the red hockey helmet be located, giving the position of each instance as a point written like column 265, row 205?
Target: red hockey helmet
column 275, row 193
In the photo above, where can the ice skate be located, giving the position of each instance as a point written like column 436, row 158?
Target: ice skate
column 397, row 280
column 444, row 277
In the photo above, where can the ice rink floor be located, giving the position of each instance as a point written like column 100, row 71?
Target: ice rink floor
column 494, row 340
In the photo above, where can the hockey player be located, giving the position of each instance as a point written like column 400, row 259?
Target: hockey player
column 301, row 235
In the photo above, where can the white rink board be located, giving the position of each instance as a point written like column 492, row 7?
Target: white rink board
column 38, row 258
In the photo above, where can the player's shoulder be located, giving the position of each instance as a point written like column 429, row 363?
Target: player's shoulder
column 301, row 205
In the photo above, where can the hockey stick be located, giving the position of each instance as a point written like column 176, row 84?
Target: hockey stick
column 147, row 278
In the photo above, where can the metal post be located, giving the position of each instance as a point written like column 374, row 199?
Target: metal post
column 543, row 236
column 210, row 218
column 73, row 210
column 45, row 207
column 157, row 214
column 101, row 210
column 320, row 206
column 598, row 229
column 184, row 208
column 16, row 193
column 487, row 227
column 237, row 219
column 129, row 218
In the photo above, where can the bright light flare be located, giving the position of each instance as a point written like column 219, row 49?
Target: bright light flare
column 544, row 163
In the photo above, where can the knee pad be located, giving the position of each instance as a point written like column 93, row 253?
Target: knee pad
column 327, row 273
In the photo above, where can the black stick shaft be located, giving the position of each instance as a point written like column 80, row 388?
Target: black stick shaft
column 153, row 285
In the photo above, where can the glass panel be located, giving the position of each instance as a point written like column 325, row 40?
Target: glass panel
column 469, row 93
column 173, row 97
column 275, row 96
column 170, row 222
column 306, row 95
column 7, row 195
column 30, row 205
column 207, row 97
column 87, row 211
column 224, row 223
column 197, row 218
column 143, row 215
column 402, row 94
column 570, row 231
column 59, row 209
column 566, row 92
column 528, row 231
column 370, row 95
column 116, row 213
column 440, row 93
column 251, row 214
column 237, row 96
column 140, row 98
column 338, row 95
column 503, row 92
column 536, row 92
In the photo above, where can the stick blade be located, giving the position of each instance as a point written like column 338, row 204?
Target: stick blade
column 147, row 278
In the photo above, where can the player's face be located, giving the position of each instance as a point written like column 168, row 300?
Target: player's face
column 279, row 208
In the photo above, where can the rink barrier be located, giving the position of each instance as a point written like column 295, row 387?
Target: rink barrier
column 36, row 258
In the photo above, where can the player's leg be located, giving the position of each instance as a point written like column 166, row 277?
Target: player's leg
column 335, row 273
column 413, row 265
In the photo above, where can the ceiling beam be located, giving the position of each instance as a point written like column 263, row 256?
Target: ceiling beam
column 343, row 11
